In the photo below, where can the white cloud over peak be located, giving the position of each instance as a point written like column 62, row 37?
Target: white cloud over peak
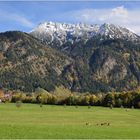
column 119, row 16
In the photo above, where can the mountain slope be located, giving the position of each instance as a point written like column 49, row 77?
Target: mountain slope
column 26, row 63
column 107, row 65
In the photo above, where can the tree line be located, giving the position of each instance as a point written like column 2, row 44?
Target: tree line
column 129, row 99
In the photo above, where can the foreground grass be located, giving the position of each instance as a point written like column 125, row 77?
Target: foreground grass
column 32, row 121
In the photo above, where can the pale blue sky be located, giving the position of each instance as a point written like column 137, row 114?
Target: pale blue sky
column 26, row 15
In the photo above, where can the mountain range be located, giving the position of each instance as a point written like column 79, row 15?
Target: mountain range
column 81, row 57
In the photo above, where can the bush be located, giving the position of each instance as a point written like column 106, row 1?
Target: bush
column 18, row 104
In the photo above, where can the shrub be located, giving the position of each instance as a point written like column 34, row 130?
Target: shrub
column 18, row 104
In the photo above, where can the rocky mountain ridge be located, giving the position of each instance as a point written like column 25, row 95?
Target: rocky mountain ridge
column 61, row 33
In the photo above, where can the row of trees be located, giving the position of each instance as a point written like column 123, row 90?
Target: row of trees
column 124, row 99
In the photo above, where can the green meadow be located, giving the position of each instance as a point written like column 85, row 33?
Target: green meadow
column 61, row 122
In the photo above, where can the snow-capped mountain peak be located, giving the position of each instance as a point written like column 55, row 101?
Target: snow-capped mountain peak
column 59, row 33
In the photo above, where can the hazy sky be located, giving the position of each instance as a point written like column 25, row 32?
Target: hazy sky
column 26, row 15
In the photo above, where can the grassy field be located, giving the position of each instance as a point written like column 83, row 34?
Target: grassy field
column 32, row 121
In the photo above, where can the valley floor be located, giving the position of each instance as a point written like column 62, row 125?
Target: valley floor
column 33, row 121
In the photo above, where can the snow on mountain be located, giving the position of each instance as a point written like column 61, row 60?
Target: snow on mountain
column 59, row 33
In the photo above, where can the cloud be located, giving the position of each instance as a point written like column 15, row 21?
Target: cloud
column 118, row 16
column 14, row 17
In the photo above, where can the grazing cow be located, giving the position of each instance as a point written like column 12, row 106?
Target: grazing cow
column 105, row 123
column 87, row 123
column 102, row 124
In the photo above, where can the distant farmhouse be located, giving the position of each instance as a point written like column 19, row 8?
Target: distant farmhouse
column 5, row 96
